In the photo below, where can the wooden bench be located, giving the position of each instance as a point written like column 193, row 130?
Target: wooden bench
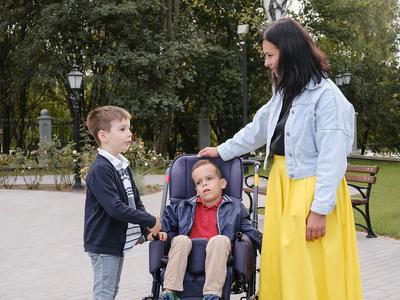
column 359, row 178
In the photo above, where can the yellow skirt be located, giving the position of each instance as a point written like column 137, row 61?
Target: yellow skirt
column 293, row 268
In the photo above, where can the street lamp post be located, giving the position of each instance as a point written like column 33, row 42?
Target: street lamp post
column 75, row 82
column 242, row 31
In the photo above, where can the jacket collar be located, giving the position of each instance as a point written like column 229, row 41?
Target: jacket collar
column 312, row 85
column 192, row 201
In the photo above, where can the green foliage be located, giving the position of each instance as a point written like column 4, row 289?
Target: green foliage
column 361, row 36
column 52, row 158
column 30, row 168
column 216, row 88
column 168, row 61
column 8, row 172
column 158, row 59
column 23, row 164
column 58, row 161
column 143, row 160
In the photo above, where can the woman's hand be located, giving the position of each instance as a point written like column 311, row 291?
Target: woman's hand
column 208, row 152
column 316, row 226
column 162, row 236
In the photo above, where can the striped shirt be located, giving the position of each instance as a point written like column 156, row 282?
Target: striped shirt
column 121, row 164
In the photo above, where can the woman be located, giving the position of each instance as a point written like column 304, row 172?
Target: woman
column 309, row 245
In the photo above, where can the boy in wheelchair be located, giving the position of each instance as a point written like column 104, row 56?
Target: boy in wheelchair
column 209, row 215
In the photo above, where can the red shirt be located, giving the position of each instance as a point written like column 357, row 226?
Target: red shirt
column 205, row 220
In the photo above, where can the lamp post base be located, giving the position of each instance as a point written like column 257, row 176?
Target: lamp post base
column 78, row 186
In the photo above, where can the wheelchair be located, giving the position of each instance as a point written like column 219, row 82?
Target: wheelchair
column 241, row 268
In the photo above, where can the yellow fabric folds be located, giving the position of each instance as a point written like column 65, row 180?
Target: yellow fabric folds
column 293, row 268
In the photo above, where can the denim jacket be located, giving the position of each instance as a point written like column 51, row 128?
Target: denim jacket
column 319, row 135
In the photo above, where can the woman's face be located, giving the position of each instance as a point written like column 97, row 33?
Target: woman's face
column 271, row 53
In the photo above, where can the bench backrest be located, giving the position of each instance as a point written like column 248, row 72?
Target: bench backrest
column 368, row 173
column 361, row 178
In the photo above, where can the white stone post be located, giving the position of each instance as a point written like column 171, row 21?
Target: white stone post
column 45, row 125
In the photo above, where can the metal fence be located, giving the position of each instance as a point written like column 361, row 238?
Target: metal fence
column 25, row 134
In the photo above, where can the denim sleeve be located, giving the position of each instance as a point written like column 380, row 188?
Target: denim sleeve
column 249, row 138
column 334, row 137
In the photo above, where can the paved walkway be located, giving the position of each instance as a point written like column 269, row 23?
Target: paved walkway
column 41, row 255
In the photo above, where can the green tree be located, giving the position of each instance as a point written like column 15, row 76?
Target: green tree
column 216, row 88
column 361, row 36
column 19, row 56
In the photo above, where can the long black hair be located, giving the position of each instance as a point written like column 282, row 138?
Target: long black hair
column 299, row 59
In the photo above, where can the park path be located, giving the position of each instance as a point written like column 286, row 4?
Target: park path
column 41, row 254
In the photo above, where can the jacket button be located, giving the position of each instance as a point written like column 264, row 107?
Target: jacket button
column 290, row 155
column 292, row 111
column 287, row 133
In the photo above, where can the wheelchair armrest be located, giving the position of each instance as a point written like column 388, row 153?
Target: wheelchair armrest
column 156, row 253
column 244, row 257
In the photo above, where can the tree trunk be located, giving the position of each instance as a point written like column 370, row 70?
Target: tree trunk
column 21, row 139
column 162, row 133
column 6, row 130
column 364, row 141
column 275, row 9
column 203, row 130
column 163, row 128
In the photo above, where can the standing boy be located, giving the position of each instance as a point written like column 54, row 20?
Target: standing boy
column 115, row 218
column 208, row 215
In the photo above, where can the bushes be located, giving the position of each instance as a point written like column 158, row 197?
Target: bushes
column 57, row 161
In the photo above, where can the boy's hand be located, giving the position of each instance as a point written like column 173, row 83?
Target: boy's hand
column 156, row 228
column 162, row 236
column 208, row 152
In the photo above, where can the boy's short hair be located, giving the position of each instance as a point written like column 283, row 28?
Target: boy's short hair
column 100, row 119
column 203, row 162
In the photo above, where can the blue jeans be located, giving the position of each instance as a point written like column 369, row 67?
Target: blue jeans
column 107, row 272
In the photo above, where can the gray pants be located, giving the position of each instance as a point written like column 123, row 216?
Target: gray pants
column 217, row 252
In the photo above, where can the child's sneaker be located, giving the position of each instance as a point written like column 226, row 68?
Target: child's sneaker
column 210, row 297
column 169, row 296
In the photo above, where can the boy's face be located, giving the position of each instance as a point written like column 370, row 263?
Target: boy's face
column 118, row 139
column 208, row 185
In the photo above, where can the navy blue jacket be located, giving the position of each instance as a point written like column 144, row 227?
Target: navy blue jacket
column 232, row 216
column 107, row 212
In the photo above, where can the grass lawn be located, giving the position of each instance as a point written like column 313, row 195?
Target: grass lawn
column 385, row 198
